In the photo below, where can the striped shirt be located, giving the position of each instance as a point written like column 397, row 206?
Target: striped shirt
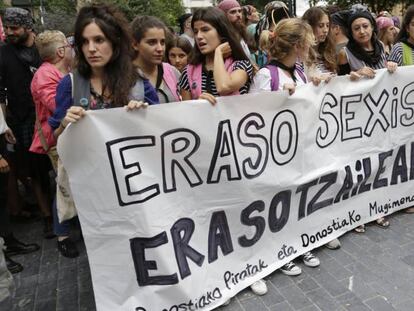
column 239, row 64
column 356, row 64
column 396, row 54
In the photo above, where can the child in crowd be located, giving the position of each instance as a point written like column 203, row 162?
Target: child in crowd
column 289, row 43
column 178, row 51
column 149, row 39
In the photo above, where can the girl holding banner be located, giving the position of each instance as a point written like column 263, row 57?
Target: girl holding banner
column 322, row 64
column 104, row 78
column 219, row 66
column 289, row 43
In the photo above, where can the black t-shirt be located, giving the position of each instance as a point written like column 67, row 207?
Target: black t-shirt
column 17, row 67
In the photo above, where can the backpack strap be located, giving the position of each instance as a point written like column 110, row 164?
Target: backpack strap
column 301, row 72
column 407, row 56
column 81, row 90
column 42, row 137
column 194, row 73
column 274, row 77
column 194, row 76
column 170, row 79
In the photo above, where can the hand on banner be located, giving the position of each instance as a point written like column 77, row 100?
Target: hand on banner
column 317, row 79
column 209, row 97
column 135, row 104
column 10, row 136
column 363, row 72
column 392, row 67
column 290, row 87
column 74, row 114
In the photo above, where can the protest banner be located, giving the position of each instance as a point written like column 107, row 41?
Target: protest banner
column 183, row 205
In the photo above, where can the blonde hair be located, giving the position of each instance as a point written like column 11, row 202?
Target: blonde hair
column 47, row 42
column 264, row 40
column 287, row 33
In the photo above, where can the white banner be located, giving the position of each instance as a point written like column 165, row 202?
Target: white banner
column 184, row 205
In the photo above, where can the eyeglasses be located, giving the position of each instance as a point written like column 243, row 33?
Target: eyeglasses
column 65, row 46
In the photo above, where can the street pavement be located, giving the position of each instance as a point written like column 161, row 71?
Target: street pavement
column 371, row 271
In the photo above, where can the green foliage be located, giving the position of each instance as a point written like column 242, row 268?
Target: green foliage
column 56, row 14
column 373, row 5
column 64, row 6
column 260, row 4
column 167, row 10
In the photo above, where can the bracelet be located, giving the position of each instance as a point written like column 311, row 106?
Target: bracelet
column 61, row 124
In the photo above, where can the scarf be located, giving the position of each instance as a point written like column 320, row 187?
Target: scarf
column 290, row 70
column 368, row 58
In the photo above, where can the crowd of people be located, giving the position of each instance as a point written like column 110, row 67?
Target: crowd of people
column 50, row 79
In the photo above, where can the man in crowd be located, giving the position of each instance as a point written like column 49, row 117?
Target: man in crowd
column 185, row 27
column 233, row 11
column 338, row 30
column 13, row 246
column 18, row 61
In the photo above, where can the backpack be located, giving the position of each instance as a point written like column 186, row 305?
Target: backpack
column 274, row 76
column 407, row 57
column 81, row 90
column 194, row 74
column 170, row 80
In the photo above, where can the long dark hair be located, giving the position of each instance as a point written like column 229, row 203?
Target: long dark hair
column 217, row 19
column 119, row 73
column 409, row 15
column 325, row 49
